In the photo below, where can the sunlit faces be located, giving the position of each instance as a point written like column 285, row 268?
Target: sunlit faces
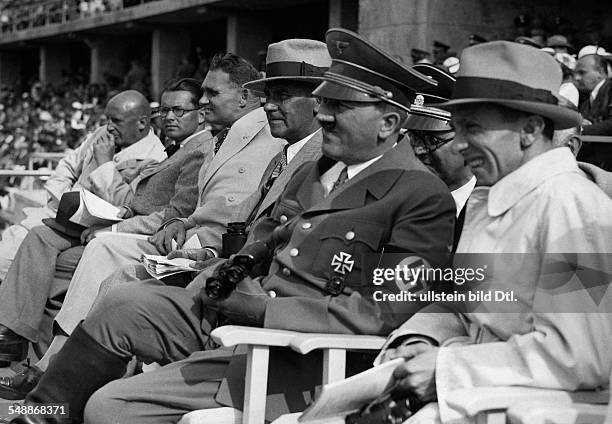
column 290, row 109
column 351, row 130
column 587, row 74
column 175, row 103
column 222, row 100
column 122, row 125
column 488, row 141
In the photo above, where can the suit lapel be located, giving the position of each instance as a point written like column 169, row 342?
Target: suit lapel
column 239, row 136
column 309, row 152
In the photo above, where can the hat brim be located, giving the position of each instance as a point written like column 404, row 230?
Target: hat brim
column 260, row 84
column 69, row 231
column 561, row 116
column 348, row 93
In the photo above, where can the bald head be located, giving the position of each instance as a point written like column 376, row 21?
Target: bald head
column 128, row 117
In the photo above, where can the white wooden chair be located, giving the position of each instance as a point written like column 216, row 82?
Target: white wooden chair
column 499, row 405
column 258, row 343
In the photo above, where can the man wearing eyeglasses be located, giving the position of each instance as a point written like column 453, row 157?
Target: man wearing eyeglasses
column 159, row 193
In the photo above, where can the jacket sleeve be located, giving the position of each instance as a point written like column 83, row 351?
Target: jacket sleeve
column 117, row 183
column 181, row 204
column 67, row 173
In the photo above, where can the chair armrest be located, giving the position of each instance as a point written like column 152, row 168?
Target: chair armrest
column 481, row 400
column 307, row 342
column 536, row 413
column 231, row 335
column 24, row 173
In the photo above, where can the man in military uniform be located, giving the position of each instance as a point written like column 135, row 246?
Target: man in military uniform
column 368, row 195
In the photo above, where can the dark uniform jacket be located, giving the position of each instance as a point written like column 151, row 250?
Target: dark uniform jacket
column 320, row 279
column 600, row 114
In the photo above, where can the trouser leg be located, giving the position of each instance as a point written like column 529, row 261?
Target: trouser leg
column 101, row 258
column 24, row 292
column 163, row 395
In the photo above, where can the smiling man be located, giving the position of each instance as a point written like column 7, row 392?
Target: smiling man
column 532, row 200
column 334, row 214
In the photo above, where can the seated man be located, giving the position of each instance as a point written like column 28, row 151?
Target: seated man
column 328, row 230
column 431, row 136
column 531, row 203
column 125, row 146
column 291, row 109
column 166, row 191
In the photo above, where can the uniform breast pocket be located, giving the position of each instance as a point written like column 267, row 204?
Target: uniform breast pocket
column 346, row 245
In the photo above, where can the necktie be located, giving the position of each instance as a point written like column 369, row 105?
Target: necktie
column 278, row 169
column 172, row 149
column 220, row 138
column 341, row 179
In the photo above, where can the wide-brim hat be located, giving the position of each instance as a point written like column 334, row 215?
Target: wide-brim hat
column 68, row 205
column 424, row 115
column 511, row 75
column 300, row 60
column 528, row 41
column 361, row 72
column 558, row 41
column 596, row 50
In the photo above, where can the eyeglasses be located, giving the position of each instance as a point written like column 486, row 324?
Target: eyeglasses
column 177, row 111
column 427, row 142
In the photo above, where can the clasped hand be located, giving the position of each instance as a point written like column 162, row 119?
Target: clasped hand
column 417, row 375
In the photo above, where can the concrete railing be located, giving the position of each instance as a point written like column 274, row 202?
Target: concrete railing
column 21, row 17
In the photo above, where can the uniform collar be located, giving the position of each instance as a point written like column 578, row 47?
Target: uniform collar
column 508, row 191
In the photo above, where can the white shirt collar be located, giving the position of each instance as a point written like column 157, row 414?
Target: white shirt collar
column 596, row 89
column 461, row 194
column 331, row 175
column 149, row 147
column 293, row 149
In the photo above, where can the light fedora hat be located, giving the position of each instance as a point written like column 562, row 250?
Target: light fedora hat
column 295, row 60
column 513, row 75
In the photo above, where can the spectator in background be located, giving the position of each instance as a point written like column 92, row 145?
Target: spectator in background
column 136, row 78
column 420, row 56
column 592, row 80
column 440, row 52
column 568, row 89
column 558, row 43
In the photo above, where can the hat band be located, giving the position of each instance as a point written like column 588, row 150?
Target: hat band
column 495, row 89
column 293, row 69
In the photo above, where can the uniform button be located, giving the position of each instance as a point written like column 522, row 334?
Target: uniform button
column 294, row 252
column 272, row 294
column 306, row 225
column 116, row 159
column 283, row 219
column 231, row 198
column 241, row 170
column 350, row 235
column 286, row 271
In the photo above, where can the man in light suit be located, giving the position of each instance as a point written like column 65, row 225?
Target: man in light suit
column 94, row 164
column 245, row 147
column 531, row 203
column 367, row 194
column 164, row 192
column 291, row 109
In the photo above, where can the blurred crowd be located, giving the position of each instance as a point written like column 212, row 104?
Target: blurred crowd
column 46, row 118
column 22, row 14
column 559, row 37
